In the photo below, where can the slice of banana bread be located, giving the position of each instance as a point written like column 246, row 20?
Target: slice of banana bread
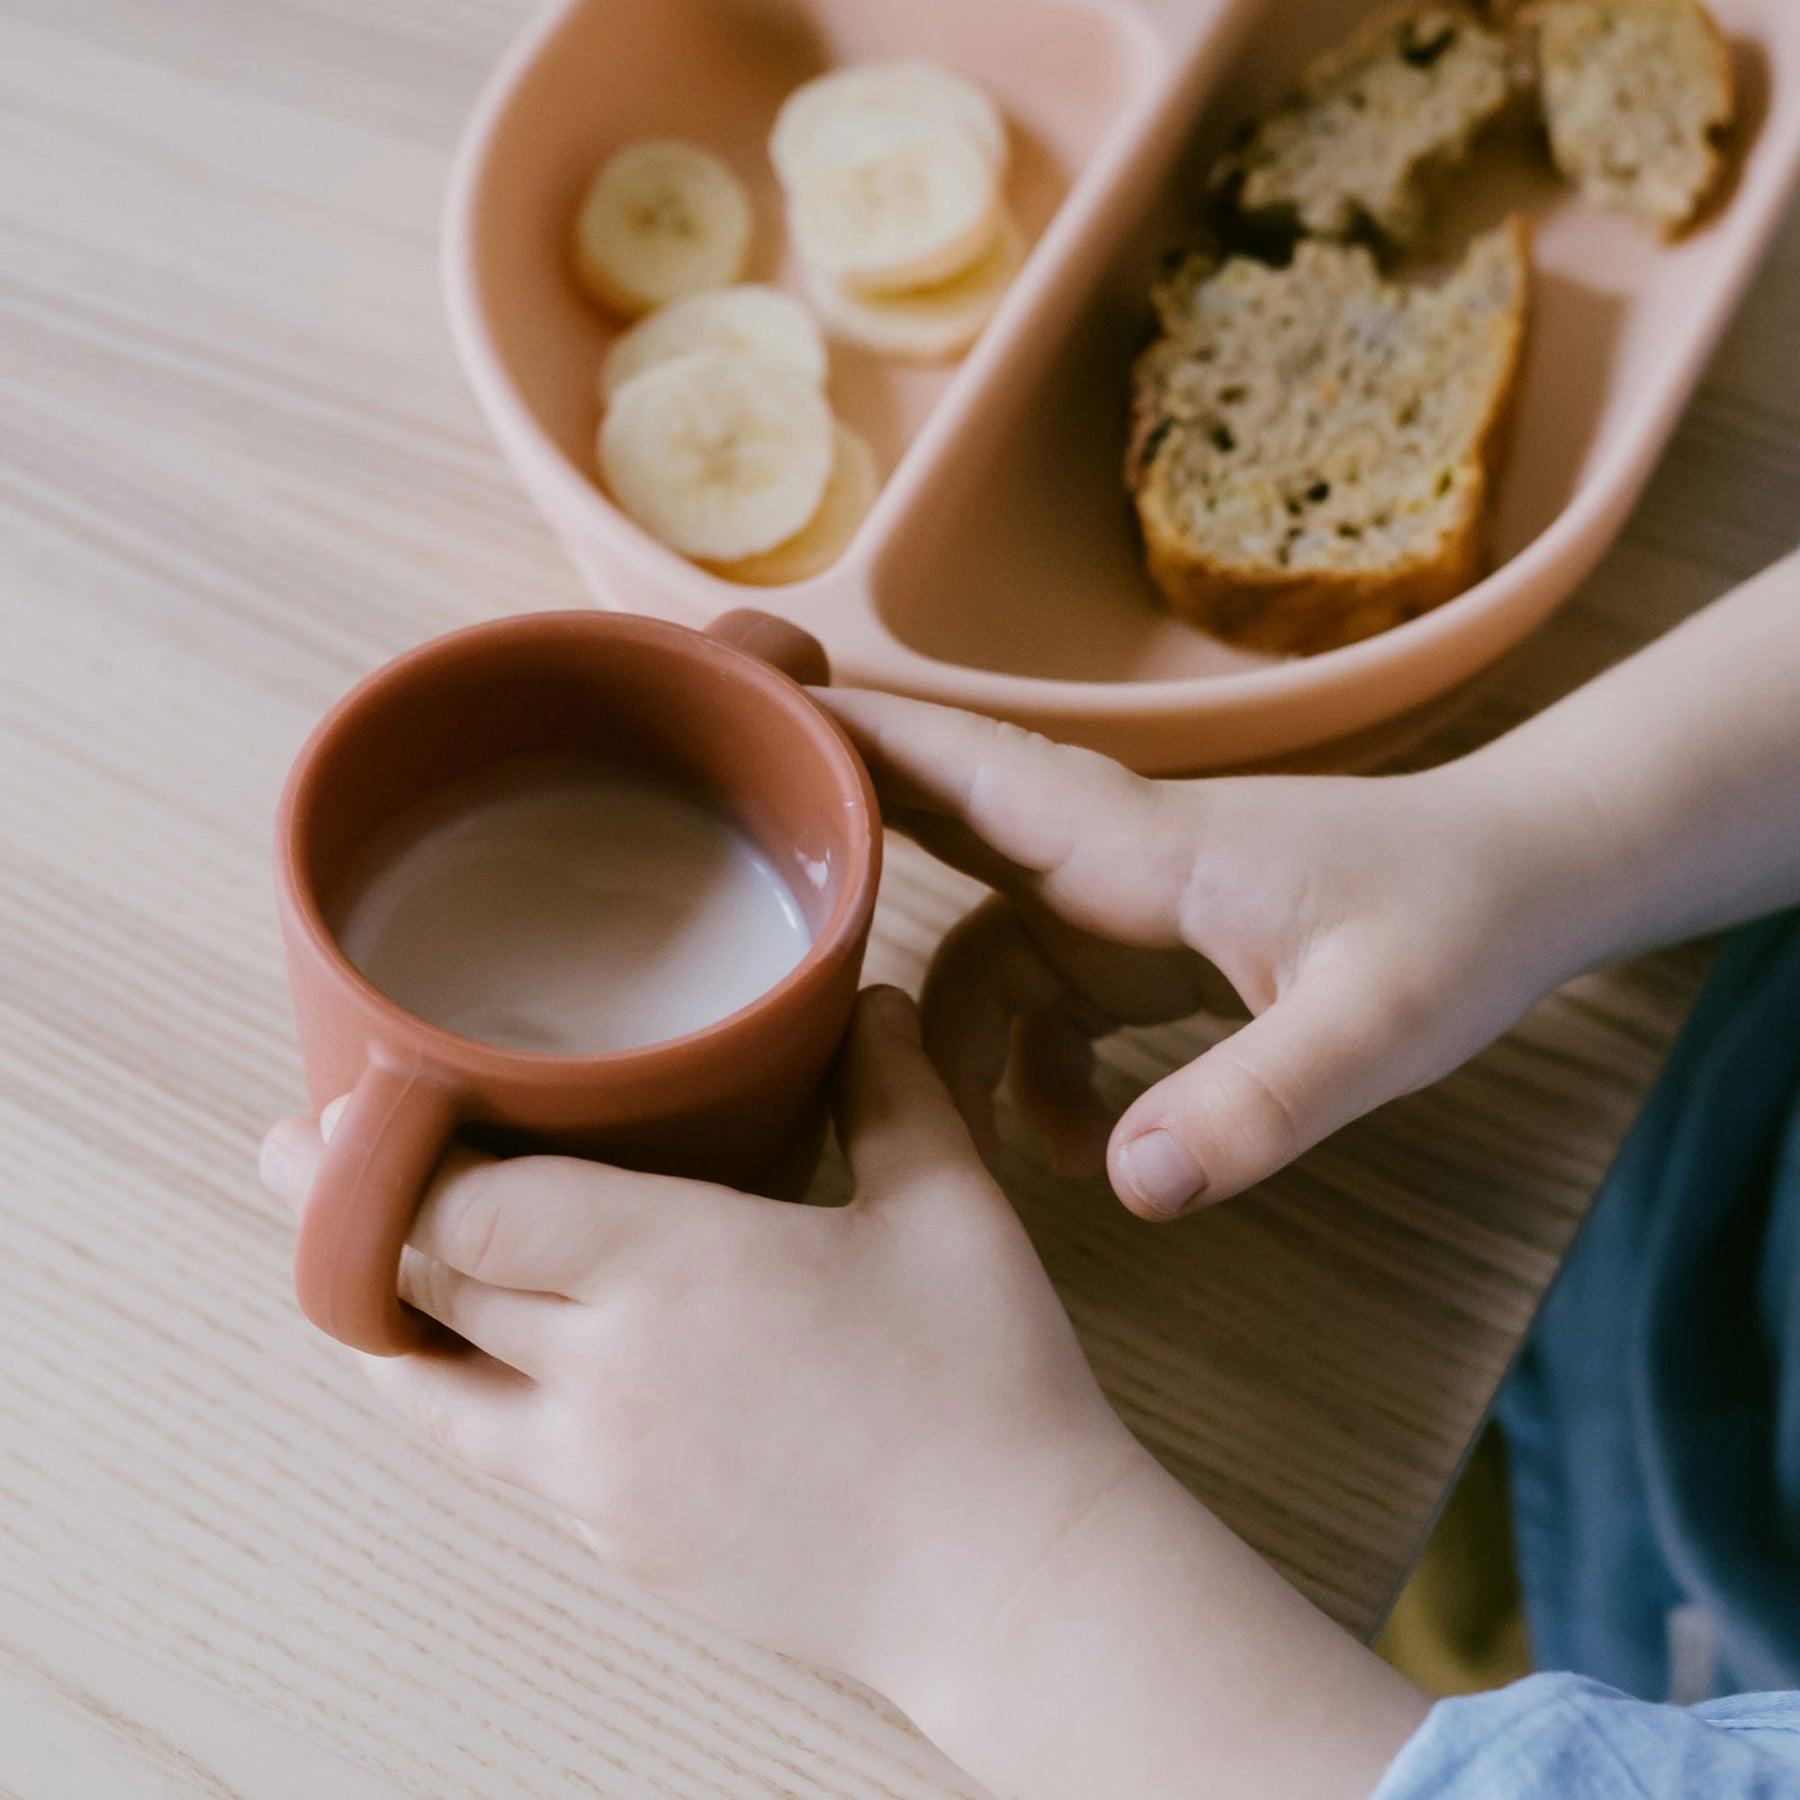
column 1361, row 146
column 1314, row 447
column 1637, row 98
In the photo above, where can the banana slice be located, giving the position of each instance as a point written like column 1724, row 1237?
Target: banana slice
column 661, row 219
column 719, row 454
column 749, row 319
column 849, row 493
column 929, row 323
column 910, row 90
column 881, row 205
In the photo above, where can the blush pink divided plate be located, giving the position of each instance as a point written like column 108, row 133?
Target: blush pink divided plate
column 999, row 568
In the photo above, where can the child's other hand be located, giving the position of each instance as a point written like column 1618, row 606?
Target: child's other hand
column 840, row 1432
column 1379, row 930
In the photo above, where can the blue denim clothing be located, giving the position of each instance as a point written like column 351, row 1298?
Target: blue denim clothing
column 1653, row 1441
column 1560, row 1737
column 1653, row 1422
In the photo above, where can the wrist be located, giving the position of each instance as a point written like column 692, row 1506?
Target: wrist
column 1144, row 1648
column 975, row 1548
column 955, row 1693
column 1551, row 867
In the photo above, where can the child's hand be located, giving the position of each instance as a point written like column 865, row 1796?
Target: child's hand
column 835, row 1431
column 867, row 1437
column 1381, row 931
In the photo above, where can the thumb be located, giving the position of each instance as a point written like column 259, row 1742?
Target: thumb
column 1250, row 1105
column 895, row 1119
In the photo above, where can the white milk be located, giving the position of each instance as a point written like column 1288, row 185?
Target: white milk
column 572, row 906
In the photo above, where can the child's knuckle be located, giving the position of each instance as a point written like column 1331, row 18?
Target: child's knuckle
column 428, row 1284
column 630, row 1514
column 436, row 1417
column 1265, row 1112
column 627, row 1408
column 1398, row 1005
column 472, row 1231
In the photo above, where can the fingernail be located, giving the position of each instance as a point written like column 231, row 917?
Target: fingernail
column 274, row 1164
column 1161, row 1172
column 328, row 1119
column 896, row 1011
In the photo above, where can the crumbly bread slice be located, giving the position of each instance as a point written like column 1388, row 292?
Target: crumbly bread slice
column 1362, row 145
column 1637, row 98
column 1314, row 447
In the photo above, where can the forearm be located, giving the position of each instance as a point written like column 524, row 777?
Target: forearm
column 1153, row 1656
column 1664, row 797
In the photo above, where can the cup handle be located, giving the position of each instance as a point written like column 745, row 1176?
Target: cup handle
column 368, row 1186
column 784, row 646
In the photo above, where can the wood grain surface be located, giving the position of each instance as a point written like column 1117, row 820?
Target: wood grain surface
column 238, row 469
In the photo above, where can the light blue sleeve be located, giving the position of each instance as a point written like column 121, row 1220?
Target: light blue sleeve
column 1559, row 1737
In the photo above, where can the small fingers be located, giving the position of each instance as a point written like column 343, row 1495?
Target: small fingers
column 292, row 1149
column 559, row 1225
column 530, row 1223
column 1052, row 1087
column 1094, row 841
column 986, row 974
column 289, row 1159
column 954, row 843
column 477, row 1409
column 547, row 1225
column 522, row 1330
column 1014, row 988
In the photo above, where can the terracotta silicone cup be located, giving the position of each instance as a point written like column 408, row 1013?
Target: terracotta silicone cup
column 1000, row 567
column 722, row 710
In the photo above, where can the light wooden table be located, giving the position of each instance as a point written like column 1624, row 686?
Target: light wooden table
column 238, row 470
